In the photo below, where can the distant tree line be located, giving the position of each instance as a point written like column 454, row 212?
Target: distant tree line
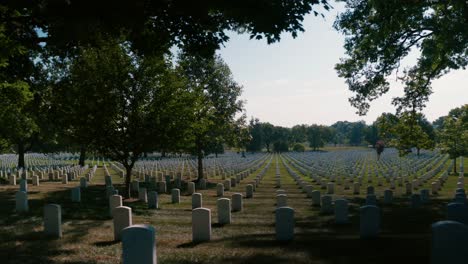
column 406, row 131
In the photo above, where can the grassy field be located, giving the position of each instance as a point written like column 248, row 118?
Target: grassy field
column 88, row 234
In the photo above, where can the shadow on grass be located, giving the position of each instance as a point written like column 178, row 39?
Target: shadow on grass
column 20, row 240
column 405, row 237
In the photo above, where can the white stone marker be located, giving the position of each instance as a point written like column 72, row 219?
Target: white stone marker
column 53, row 220
column 175, row 196
column 83, row 183
column 24, row 185
column 227, row 185
column 370, row 221
column 249, row 189
column 327, row 205
column 197, row 200
column 201, row 225
column 316, row 200
column 139, row 245
column 12, row 179
column 330, row 188
column 409, row 189
column 76, row 195
column 281, row 200
column 356, row 188
column 122, row 219
column 371, row 199
column 64, row 179
column 135, row 185
column 190, row 188
column 142, row 195
column 114, row 202
column 35, row 180
column 224, row 211
column 219, row 189
column 435, row 187
column 341, row 211
column 388, row 197
column 449, row 240
column 21, row 202
column 284, row 223
column 202, row 184
column 237, row 203
column 153, row 200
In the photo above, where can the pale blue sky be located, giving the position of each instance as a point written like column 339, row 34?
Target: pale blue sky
column 294, row 81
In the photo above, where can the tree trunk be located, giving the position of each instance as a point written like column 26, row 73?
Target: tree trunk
column 455, row 165
column 21, row 155
column 163, row 154
column 418, row 151
column 82, row 156
column 268, row 147
column 128, row 180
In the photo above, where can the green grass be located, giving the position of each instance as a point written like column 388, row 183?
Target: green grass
column 88, row 235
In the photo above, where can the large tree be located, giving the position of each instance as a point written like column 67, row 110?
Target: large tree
column 23, row 89
column 215, row 103
column 154, row 26
column 381, row 34
column 132, row 98
column 318, row 135
column 453, row 135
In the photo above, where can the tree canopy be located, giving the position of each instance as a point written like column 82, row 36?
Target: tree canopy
column 380, row 34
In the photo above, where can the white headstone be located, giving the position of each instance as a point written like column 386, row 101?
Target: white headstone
column 341, row 211
column 219, row 189
column 237, row 205
column 153, row 200
column 449, row 242
column 197, row 200
column 53, row 220
column 139, row 245
column 114, row 202
column 21, row 199
column 284, row 223
column 201, row 225
column 224, row 211
column 142, row 195
column 370, row 221
column 327, row 205
column 76, row 194
column 175, row 196
column 122, row 219
column 190, row 188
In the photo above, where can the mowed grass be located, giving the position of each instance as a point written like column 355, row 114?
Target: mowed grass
column 88, row 233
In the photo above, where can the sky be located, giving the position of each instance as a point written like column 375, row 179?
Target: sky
column 294, row 82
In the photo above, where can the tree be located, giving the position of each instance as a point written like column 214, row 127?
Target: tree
column 454, row 134
column 385, row 124
column 267, row 129
column 317, row 136
column 152, row 27
column 298, row 134
column 135, row 97
column 215, row 102
column 409, row 133
column 256, row 133
column 357, row 133
column 371, row 134
column 299, row 147
column 23, row 89
column 380, row 34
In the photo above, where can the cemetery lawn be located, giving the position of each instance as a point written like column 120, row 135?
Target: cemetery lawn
column 88, row 232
